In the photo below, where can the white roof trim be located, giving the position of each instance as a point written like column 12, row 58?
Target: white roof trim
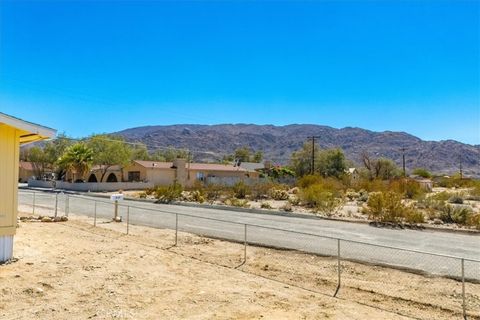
column 41, row 131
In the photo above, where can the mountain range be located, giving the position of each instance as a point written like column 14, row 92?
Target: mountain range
column 211, row 142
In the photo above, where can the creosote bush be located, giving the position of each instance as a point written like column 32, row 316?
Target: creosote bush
column 265, row 205
column 456, row 199
column 241, row 190
column 409, row 189
column 320, row 199
column 388, row 207
column 242, row 203
column 456, row 214
column 278, row 194
column 168, row 194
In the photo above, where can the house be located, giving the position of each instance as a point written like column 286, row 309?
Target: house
column 426, row 184
column 353, row 174
column 13, row 133
column 110, row 174
column 25, row 171
column 187, row 174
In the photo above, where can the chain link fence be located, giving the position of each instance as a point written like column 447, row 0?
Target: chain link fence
column 408, row 282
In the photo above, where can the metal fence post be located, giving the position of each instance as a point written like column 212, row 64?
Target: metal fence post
column 56, row 204
column 464, row 304
column 339, row 268
column 176, row 229
column 67, row 204
column 95, row 214
column 33, row 210
column 245, row 245
column 128, row 218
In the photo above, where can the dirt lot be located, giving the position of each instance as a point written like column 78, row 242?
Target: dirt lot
column 72, row 270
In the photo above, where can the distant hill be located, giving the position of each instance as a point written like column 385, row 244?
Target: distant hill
column 278, row 142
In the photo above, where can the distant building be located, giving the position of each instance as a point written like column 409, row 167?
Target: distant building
column 353, row 174
column 426, row 184
column 25, row 171
column 186, row 174
column 112, row 174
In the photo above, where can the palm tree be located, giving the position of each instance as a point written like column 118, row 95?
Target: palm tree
column 78, row 160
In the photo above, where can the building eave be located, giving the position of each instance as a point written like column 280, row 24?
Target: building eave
column 31, row 132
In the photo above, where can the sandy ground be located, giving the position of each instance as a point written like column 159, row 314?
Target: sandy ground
column 72, row 270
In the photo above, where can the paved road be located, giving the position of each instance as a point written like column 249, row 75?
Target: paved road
column 231, row 227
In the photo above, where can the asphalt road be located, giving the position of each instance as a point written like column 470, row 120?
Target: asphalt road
column 359, row 241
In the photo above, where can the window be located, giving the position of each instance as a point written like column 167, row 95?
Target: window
column 201, row 176
column 133, row 176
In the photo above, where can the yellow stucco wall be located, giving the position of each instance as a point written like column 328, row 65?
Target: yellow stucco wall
column 161, row 177
column 135, row 167
column 9, row 158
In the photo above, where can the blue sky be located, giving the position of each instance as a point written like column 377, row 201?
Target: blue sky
column 84, row 67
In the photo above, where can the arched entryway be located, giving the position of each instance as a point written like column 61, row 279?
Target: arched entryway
column 112, row 178
column 92, row 178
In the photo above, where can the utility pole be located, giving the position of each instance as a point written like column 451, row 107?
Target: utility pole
column 403, row 159
column 312, row 171
column 461, row 168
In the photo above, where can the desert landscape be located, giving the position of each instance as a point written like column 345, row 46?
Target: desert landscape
column 73, row 270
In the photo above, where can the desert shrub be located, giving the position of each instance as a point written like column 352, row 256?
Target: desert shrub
column 474, row 192
column 456, row 214
column 441, row 196
column 149, row 191
column 266, row 205
column 456, row 182
column 262, row 190
column 456, row 199
column 294, row 201
column 375, row 185
column 278, row 194
column 409, row 189
column 320, row 198
column 235, row 202
column 363, row 196
column 388, row 207
column 413, row 216
column 212, row 192
column 474, row 220
column 241, row 190
column 421, row 172
column 196, row 196
column 168, row 194
column 287, row 207
column 308, row 180
column 352, row 195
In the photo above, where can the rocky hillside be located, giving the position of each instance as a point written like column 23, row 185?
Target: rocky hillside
column 278, row 142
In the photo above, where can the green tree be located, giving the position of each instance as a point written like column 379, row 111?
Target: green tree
column 332, row 163
column 77, row 159
column 54, row 150
column 140, row 152
column 242, row 154
column 109, row 151
column 381, row 168
column 257, row 157
column 46, row 158
column 301, row 160
column 38, row 158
